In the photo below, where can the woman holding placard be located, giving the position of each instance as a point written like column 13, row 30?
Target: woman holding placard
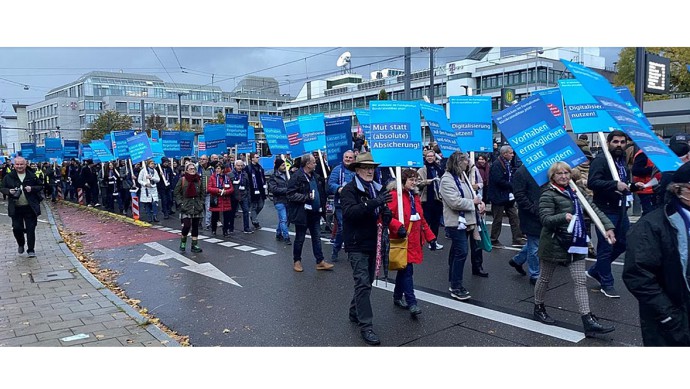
column 563, row 241
column 417, row 231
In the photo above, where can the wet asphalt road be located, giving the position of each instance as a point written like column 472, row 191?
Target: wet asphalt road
column 275, row 306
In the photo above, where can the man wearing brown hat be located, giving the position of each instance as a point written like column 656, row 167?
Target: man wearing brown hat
column 656, row 267
column 364, row 207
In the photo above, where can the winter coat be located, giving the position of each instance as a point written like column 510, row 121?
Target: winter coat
column 161, row 172
column 125, row 177
column 656, row 273
column 298, row 190
column 149, row 191
column 192, row 206
column 484, row 173
column 240, row 183
column 359, row 217
column 601, row 182
column 454, row 202
column 418, row 233
column 216, row 184
column 500, row 186
column 277, row 185
column 527, row 194
column 423, row 175
column 553, row 205
column 339, row 177
column 11, row 181
column 256, row 173
column 580, row 175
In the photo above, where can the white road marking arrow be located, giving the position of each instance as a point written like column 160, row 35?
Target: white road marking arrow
column 205, row 269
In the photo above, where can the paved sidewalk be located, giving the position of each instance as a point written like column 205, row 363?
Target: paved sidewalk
column 52, row 300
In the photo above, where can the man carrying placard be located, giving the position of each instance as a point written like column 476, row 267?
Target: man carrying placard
column 613, row 198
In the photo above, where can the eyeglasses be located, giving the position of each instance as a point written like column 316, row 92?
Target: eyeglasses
column 562, row 173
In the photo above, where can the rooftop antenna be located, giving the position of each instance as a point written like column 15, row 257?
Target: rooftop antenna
column 344, row 62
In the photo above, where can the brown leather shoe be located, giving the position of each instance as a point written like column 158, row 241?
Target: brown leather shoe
column 298, row 267
column 323, row 265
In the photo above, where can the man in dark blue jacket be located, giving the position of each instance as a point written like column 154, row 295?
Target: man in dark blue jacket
column 527, row 194
column 339, row 177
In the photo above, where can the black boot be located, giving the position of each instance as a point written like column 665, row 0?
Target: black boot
column 541, row 315
column 592, row 326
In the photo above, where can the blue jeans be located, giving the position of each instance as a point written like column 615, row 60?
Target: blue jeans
column 529, row 254
column 207, row 210
column 282, row 229
column 607, row 253
column 457, row 255
column 338, row 242
column 166, row 200
column 151, row 209
column 314, row 227
column 404, row 285
column 648, row 203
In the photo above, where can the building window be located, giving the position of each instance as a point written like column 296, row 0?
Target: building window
column 121, row 107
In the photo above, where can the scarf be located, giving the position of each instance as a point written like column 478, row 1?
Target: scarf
column 413, row 207
column 192, row 179
column 580, row 238
column 369, row 187
column 622, row 173
column 506, row 163
column 432, row 171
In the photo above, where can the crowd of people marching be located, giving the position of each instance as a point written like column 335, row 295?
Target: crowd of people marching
column 449, row 196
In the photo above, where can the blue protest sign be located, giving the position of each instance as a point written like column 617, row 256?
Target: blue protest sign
column 53, row 148
column 139, row 148
column 157, row 150
column 437, row 121
column 470, row 118
column 119, row 142
column 364, row 119
column 214, row 135
column 313, row 132
column 87, row 153
column 396, row 135
column 554, row 101
column 108, row 142
column 624, row 118
column 267, row 164
column 250, row 145
column 274, row 129
column 236, row 126
column 338, row 138
column 537, row 138
column 101, row 151
column 71, row 149
column 629, row 100
column 28, row 150
column 170, row 141
column 40, row 155
column 584, row 112
column 186, row 144
column 294, row 137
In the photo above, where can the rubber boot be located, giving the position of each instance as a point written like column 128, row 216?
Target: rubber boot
column 541, row 315
column 183, row 243
column 593, row 327
column 195, row 246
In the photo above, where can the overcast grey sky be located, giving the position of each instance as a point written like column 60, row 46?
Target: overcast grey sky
column 43, row 69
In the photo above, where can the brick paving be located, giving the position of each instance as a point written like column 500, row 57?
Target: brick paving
column 43, row 314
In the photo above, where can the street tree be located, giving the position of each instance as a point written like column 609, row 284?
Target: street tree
column 105, row 123
column 679, row 80
column 155, row 122
column 383, row 95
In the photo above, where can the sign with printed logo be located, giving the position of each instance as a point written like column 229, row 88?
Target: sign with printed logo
column 470, row 118
column 396, row 133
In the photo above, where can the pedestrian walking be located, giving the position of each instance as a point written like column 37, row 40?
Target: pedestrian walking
column 340, row 176
column 148, row 178
column 257, row 188
column 190, row 193
column 23, row 189
column 365, row 214
column 414, row 227
column 656, row 267
column 459, row 213
column 277, row 186
column 559, row 207
column 306, row 201
column 220, row 187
